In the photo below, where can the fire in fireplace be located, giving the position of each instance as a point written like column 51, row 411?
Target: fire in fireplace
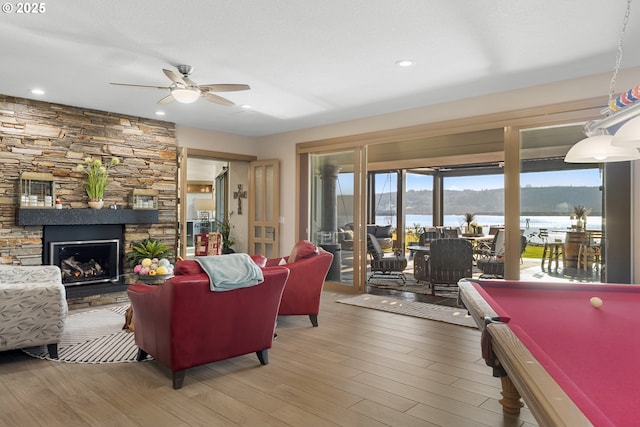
column 86, row 261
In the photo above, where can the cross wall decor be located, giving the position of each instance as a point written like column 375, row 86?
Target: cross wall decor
column 239, row 195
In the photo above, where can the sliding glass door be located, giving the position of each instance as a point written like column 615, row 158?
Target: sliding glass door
column 334, row 224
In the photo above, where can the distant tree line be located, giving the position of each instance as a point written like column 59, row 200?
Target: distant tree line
column 533, row 201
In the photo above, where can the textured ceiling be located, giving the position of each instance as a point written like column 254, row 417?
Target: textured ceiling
column 308, row 63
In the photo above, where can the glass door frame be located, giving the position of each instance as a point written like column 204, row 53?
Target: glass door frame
column 418, row 138
column 304, row 194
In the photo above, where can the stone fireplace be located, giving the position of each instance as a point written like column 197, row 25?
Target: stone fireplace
column 50, row 138
column 87, row 245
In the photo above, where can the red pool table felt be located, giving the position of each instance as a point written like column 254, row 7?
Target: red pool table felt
column 592, row 353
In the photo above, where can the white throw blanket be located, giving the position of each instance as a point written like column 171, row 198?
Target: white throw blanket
column 232, row 271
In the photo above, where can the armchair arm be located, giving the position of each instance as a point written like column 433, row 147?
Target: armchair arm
column 21, row 274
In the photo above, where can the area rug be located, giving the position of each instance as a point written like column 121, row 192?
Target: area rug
column 94, row 336
column 414, row 287
column 456, row 316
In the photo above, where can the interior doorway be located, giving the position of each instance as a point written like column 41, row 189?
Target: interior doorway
column 206, row 182
column 206, row 200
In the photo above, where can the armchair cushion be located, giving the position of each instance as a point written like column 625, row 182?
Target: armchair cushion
column 383, row 231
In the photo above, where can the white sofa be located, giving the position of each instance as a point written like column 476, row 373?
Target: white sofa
column 33, row 307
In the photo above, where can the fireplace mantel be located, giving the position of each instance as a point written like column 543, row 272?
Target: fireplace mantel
column 85, row 216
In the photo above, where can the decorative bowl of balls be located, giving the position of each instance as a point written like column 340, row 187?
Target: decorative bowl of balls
column 154, row 271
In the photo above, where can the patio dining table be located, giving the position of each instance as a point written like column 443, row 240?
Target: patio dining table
column 479, row 242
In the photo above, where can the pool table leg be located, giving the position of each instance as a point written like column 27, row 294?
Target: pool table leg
column 511, row 401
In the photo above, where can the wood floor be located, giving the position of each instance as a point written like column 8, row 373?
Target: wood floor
column 360, row 367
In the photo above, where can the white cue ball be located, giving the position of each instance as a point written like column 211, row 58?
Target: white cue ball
column 596, row 302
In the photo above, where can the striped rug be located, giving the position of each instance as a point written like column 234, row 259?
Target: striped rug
column 94, row 336
column 441, row 313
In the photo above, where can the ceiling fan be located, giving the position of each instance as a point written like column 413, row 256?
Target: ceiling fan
column 186, row 91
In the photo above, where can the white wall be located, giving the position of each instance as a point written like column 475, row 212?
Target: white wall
column 282, row 146
column 239, row 174
column 214, row 141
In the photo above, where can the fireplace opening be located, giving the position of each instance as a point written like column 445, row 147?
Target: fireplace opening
column 86, row 261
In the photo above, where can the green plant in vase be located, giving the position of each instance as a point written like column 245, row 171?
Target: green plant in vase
column 468, row 219
column 97, row 178
column 581, row 212
column 224, row 227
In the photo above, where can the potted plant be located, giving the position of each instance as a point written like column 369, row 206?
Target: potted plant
column 97, row 177
column 581, row 212
column 468, row 219
column 224, row 228
column 147, row 248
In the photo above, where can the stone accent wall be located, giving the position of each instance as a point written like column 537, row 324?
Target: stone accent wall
column 42, row 137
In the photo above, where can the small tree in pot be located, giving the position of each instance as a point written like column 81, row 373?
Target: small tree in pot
column 224, row 227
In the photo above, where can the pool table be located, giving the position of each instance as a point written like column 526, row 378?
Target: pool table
column 572, row 363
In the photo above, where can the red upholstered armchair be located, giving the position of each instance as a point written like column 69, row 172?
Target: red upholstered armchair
column 308, row 265
column 183, row 324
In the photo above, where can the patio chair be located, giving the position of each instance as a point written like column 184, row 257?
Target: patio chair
column 450, row 260
column 451, row 232
column 493, row 266
column 384, row 266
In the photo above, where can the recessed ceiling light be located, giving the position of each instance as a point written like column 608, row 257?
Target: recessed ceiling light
column 245, row 106
column 405, row 63
column 160, row 113
column 37, row 91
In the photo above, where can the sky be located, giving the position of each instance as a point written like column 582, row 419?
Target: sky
column 577, row 178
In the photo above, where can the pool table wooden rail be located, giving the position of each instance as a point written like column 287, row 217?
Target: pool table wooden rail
column 546, row 400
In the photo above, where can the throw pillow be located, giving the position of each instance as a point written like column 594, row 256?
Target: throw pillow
column 302, row 249
column 383, row 231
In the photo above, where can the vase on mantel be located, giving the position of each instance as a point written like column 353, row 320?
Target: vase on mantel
column 96, row 203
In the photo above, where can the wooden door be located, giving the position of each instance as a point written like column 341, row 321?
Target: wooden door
column 264, row 208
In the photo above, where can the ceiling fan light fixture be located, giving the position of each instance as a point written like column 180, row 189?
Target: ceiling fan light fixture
column 185, row 95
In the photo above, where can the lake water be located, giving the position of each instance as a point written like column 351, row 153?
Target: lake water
column 534, row 223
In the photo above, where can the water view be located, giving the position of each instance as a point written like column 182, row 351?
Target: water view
column 531, row 224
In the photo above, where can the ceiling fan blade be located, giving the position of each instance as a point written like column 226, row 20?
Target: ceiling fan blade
column 217, row 99
column 223, row 87
column 166, row 99
column 189, row 82
column 145, row 86
column 174, row 77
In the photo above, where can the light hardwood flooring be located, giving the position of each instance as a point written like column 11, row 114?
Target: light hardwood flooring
column 360, row 367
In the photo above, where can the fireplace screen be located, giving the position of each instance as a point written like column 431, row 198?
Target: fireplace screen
column 87, row 261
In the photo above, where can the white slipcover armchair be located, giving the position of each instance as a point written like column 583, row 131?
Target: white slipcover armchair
column 33, row 307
